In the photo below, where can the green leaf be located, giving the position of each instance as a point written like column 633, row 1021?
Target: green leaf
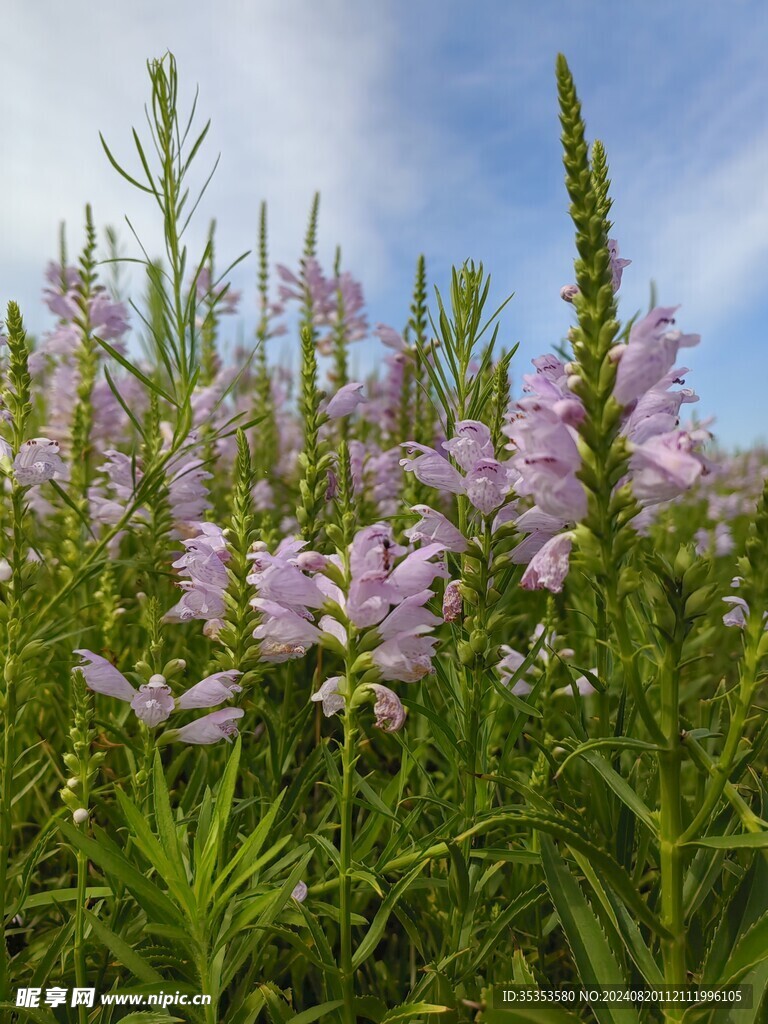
column 407, row 1011
column 622, row 789
column 316, row 1012
column 594, row 959
column 750, row 950
column 528, row 1015
column 379, row 922
column 55, row 896
column 102, row 851
column 618, row 742
column 122, row 951
column 149, row 1017
column 742, row 841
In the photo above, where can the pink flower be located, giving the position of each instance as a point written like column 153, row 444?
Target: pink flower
column 649, row 354
column 405, row 658
column 346, row 400
column 154, row 702
column 328, row 695
column 617, row 264
column 389, row 711
column 37, row 460
column 549, row 566
column 487, row 484
column 101, row 676
column 664, row 466
column 211, row 691
column 433, row 526
column 470, row 444
column 210, row 728
column 432, row 469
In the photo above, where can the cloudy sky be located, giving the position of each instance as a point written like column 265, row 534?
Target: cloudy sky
column 428, row 126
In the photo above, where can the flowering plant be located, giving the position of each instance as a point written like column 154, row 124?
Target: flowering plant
column 342, row 699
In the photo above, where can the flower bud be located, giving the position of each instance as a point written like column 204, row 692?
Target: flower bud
column 478, row 641
column 452, row 603
column 5, row 570
column 80, row 816
column 569, row 292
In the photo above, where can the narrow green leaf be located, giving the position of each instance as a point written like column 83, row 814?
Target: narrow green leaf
column 593, row 956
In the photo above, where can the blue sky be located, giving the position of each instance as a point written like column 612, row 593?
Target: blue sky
column 428, row 127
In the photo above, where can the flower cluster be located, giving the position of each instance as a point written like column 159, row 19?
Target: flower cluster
column 153, row 702
column 204, row 564
column 665, row 460
column 306, row 598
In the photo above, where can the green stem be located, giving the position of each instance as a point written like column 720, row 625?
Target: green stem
column 671, row 823
column 345, row 880
column 9, row 726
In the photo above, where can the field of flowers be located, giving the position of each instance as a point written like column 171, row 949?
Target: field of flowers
column 342, row 700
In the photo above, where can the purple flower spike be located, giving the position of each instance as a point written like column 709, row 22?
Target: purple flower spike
column 211, row 691
column 210, row 728
column 346, row 400
column 101, row 676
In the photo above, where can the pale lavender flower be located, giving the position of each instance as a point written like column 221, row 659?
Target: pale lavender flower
column 211, row 691
column 649, row 355
column 299, row 892
column 617, row 263
column 328, row 694
column 549, row 566
column 36, row 461
column 664, row 466
column 405, row 658
column 388, row 709
column 154, row 702
column 431, row 468
column 101, row 676
column 487, row 484
column 470, row 444
column 346, row 400
column 433, row 526
column 210, row 728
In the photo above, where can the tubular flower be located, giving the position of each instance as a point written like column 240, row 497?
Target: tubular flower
column 204, row 563
column 153, row 702
column 485, row 480
column 36, row 461
column 387, row 592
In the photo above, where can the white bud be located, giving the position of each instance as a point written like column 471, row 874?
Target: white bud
column 80, row 816
column 157, row 680
column 73, row 783
column 5, row 570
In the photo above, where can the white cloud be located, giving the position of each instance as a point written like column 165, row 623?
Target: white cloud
column 299, row 98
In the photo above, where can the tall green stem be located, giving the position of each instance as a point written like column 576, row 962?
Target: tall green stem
column 345, row 880
column 671, row 822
